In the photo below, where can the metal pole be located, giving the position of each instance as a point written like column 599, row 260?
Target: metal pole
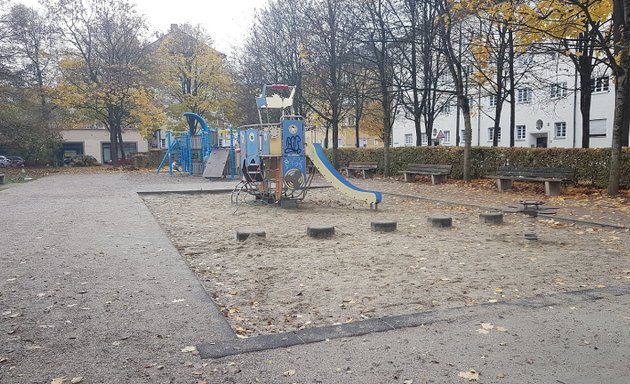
column 170, row 155
column 232, row 153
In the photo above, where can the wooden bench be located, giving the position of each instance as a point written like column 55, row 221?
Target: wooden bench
column 438, row 172
column 360, row 166
column 552, row 177
column 1, row 178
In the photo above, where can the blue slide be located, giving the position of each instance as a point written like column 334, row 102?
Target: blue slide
column 315, row 152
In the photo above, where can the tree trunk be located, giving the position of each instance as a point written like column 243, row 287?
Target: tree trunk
column 511, row 90
column 621, row 17
column 620, row 107
column 585, row 72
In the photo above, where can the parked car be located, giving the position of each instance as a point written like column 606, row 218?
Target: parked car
column 16, row 161
column 4, row 162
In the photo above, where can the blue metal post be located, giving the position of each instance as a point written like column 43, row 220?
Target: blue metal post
column 189, row 145
column 232, row 153
column 170, row 155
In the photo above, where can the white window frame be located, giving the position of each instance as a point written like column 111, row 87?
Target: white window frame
column 447, row 136
column 408, row 139
column 493, row 100
column 601, row 128
column 491, row 134
column 521, row 132
column 424, row 138
column 600, row 84
column 524, row 96
column 560, row 130
column 558, row 90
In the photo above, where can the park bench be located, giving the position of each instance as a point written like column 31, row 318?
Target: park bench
column 360, row 166
column 1, row 178
column 438, row 172
column 552, row 177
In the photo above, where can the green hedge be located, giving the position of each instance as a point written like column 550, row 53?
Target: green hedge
column 591, row 165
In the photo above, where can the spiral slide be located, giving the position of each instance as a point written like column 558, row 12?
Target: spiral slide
column 315, row 152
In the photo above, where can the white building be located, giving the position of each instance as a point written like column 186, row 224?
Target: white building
column 95, row 142
column 547, row 114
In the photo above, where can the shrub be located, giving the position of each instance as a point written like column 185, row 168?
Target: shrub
column 591, row 164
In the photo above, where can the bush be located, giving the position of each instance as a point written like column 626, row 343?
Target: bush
column 82, row 161
column 591, row 164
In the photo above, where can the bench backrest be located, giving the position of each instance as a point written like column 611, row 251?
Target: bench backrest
column 430, row 168
column 567, row 174
column 365, row 164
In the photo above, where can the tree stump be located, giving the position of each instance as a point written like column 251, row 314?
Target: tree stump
column 383, row 226
column 441, row 221
column 491, row 217
column 244, row 234
column 320, row 232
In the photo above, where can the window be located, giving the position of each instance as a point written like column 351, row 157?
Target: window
column 362, row 142
column 447, row 136
column 493, row 100
column 375, row 141
column 561, row 129
column 350, row 121
column 520, row 132
column 461, row 136
column 408, row 139
column 600, row 84
column 491, row 134
column 446, row 108
column 424, row 138
column 558, row 90
column 524, row 95
column 598, row 127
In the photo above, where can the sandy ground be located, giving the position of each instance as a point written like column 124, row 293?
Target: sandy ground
column 289, row 281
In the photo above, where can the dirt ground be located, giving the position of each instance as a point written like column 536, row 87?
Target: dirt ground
column 289, row 281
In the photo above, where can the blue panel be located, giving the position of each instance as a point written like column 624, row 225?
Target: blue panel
column 293, row 138
column 294, row 159
column 265, row 143
column 251, row 145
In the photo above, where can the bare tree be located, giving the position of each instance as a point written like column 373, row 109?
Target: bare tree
column 104, row 69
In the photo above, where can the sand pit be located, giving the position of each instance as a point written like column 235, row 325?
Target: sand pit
column 289, row 281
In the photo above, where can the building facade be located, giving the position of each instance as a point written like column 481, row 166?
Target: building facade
column 547, row 113
column 96, row 143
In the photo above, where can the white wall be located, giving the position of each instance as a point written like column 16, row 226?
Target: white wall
column 542, row 107
column 93, row 139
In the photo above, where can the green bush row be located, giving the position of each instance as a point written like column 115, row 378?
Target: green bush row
column 591, row 165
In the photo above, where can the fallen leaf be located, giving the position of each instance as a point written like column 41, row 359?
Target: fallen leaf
column 58, row 380
column 498, row 290
column 487, row 326
column 76, row 380
column 501, row 329
column 483, row 331
column 177, row 300
column 471, row 375
column 290, row 372
column 408, row 382
column 189, row 349
column 601, row 286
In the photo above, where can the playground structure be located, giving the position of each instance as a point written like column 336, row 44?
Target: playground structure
column 202, row 154
column 274, row 155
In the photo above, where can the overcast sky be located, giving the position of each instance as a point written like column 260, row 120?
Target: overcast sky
column 227, row 21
